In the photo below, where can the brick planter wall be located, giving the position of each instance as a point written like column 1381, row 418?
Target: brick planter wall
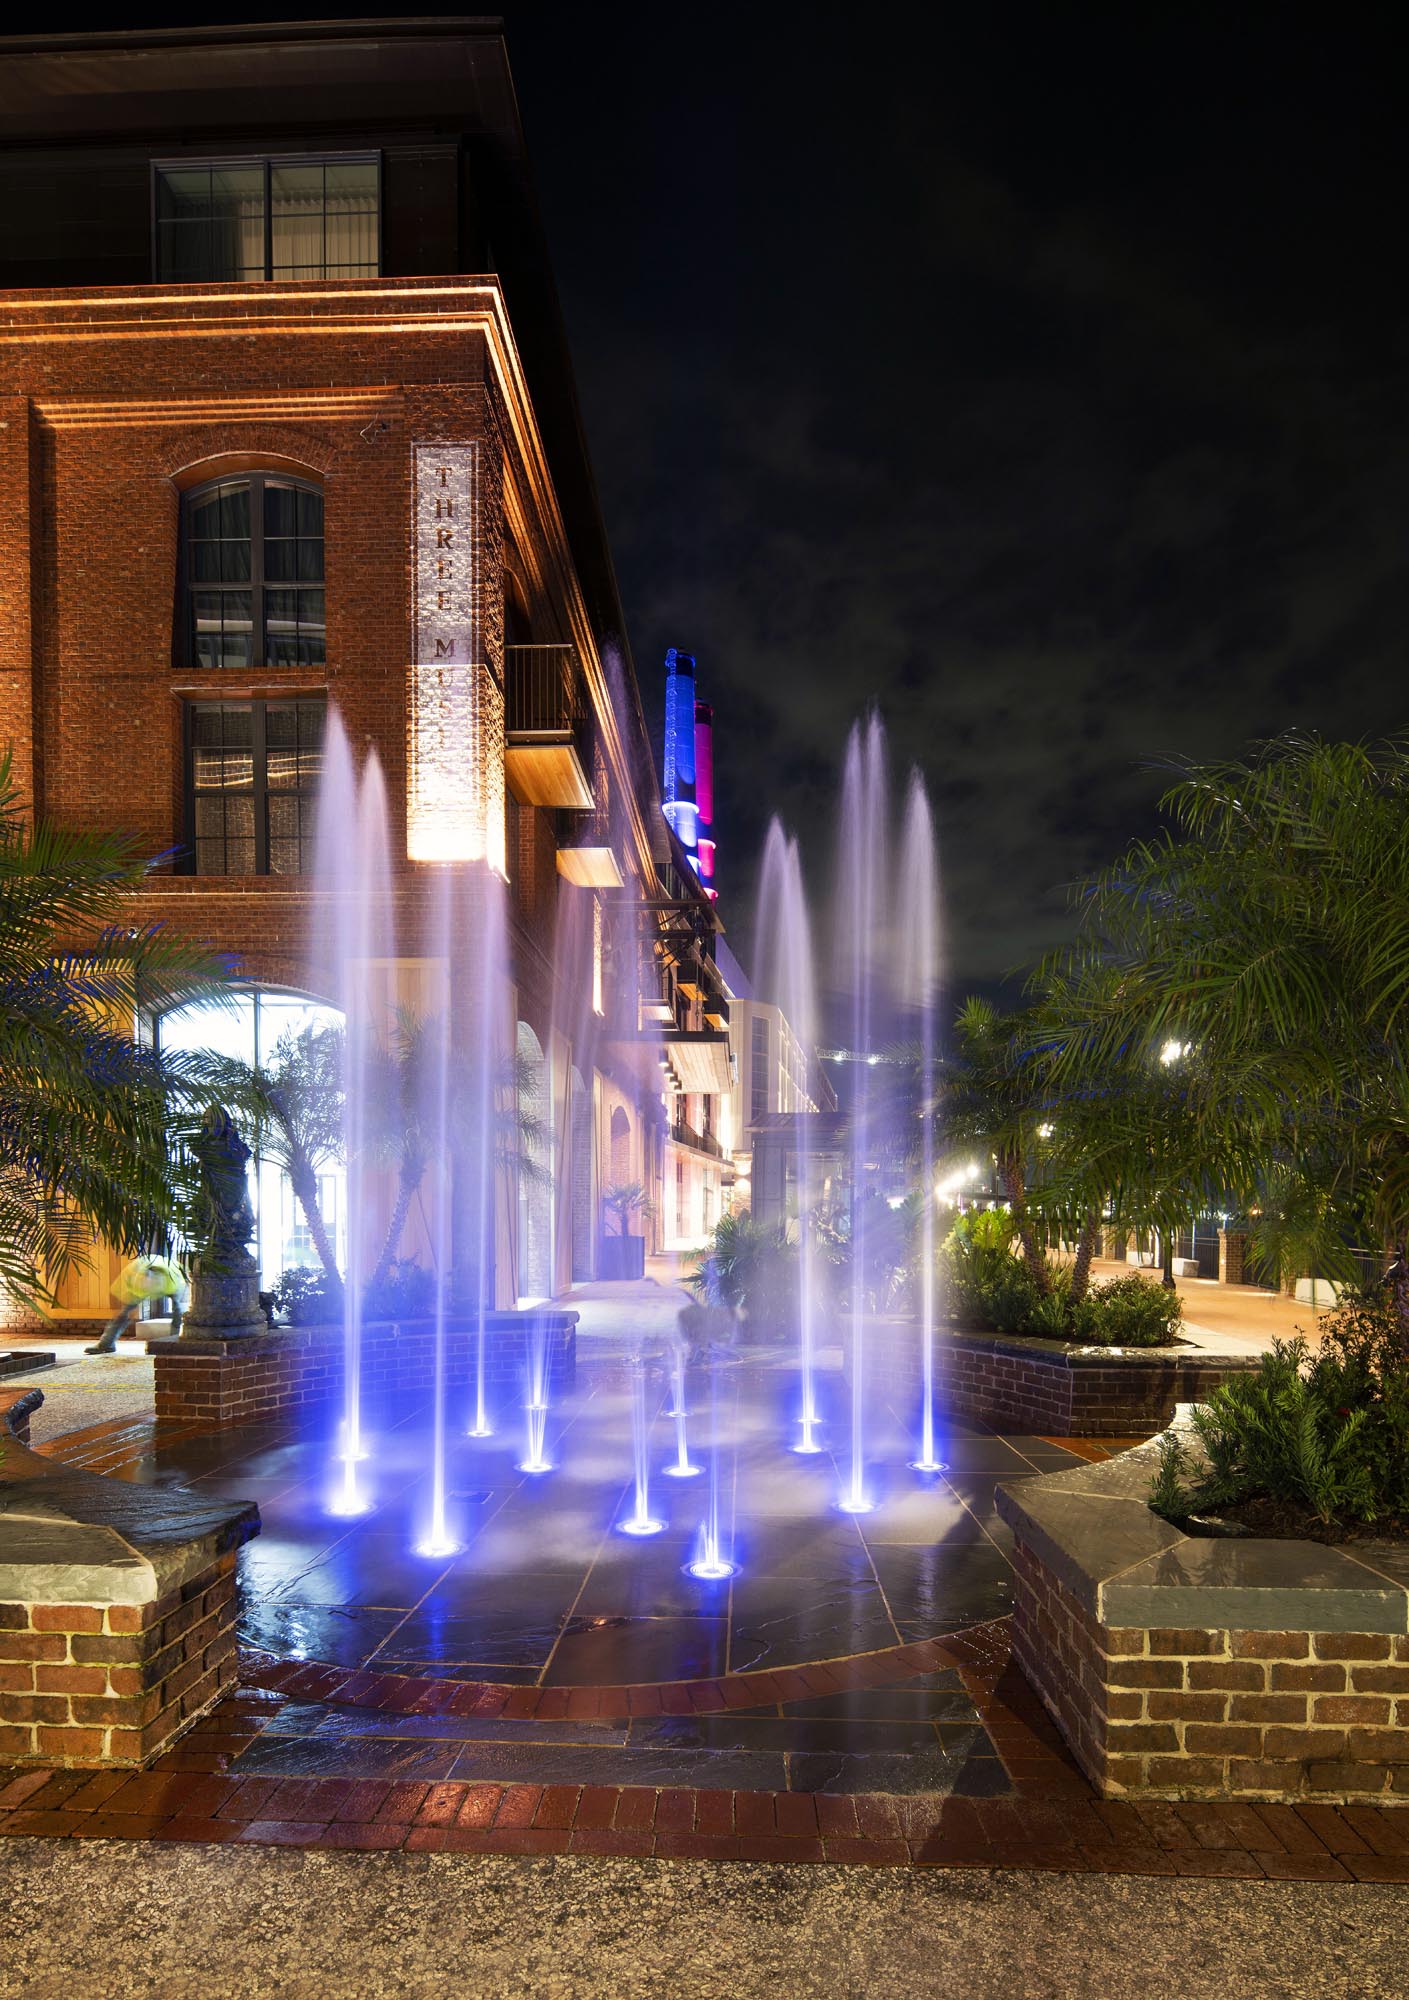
column 1194, row 1713
column 114, row 1683
column 1185, row 1668
column 219, row 1384
column 1045, row 1386
column 117, row 1609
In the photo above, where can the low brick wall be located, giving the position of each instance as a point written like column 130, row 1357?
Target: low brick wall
column 1045, row 1386
column 1177, row 1667
column 219, row 1384
column 114, row 1683
column 117, row 1611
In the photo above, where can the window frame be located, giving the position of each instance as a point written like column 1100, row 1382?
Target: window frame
column 259, row 663
column 259, row 782
column 362, row 156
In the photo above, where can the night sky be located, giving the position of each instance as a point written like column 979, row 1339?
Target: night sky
column 1038, row 377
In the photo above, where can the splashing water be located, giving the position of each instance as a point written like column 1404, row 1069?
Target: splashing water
column 640, row 1521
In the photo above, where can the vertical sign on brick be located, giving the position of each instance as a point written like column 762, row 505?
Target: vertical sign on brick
column 455, row 706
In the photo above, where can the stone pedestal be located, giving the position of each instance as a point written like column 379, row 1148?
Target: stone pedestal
column 225, row 1303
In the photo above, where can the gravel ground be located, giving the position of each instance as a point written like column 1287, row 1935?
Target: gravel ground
column 82, row 1389
column 113, row 1919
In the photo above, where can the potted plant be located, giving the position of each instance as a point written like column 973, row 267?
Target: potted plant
column 619, row 1253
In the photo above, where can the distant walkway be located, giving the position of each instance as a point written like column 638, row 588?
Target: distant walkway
column 1240, row 1318
column 622, row 1311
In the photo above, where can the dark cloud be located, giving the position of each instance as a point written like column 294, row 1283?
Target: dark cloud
column 1040, row 380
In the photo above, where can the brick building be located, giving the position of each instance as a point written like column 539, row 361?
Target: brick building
column 258, row 288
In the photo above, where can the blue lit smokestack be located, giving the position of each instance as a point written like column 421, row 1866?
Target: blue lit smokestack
column 680, row 807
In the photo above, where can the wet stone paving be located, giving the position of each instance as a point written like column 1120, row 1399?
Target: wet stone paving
column 545, row 1592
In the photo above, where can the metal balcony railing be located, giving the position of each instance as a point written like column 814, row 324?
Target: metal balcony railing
column 685, row 1134
column 543, row 692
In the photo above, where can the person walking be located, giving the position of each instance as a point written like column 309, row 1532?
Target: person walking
column 143, row 1279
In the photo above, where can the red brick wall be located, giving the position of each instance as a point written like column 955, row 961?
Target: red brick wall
column 114, row 1684
column 1029, row 1386
column 110, row 402
column 220, row 1384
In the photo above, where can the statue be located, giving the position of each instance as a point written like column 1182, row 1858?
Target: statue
column 223, row 1157
column 225, row 1288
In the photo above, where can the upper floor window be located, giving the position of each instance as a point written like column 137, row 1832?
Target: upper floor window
column 252, row 567
column 283, row 218
column 252, row 770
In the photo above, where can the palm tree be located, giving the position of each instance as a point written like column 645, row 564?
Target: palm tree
column 991, row 1097
column 1265, row 937
column 91, row 1117
column 293, row 1108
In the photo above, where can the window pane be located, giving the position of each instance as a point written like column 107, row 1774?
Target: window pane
column 280, row 508
column 210, row 223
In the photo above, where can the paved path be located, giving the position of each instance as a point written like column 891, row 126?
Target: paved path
column 102, row 1922
column 1236, row 1317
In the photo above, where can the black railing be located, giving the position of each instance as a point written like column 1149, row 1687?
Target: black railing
column 685, row 1134
column 543, row 691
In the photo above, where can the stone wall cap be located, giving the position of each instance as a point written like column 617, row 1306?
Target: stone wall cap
column 1246, row 1583
column 69, row 1536
column 1068, row 1354
column 1091, row 1525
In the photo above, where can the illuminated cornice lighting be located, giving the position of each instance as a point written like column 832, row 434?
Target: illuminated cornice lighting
column 455, row 707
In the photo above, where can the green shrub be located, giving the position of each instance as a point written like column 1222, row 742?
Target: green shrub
column 1328, row 1433
column 303, row 1297
column 1130, row 1312
column 406, row 1292
column 983, row 1283
column 752, row 1269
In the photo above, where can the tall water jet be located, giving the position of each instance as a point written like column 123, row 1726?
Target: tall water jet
column 786, row 978
column 490, row 1043
column 713, row 1562
column 352, row 880
column 919, row 893
column 862, row 919
column 640, row 1521
column 682, row 1467
column 535, row 1402
column 435, row 1083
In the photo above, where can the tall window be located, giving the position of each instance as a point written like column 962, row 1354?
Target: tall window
column 251, row 778
column 250, row 1026
column 286, row 218
column 758, row 1069
column 253, row 572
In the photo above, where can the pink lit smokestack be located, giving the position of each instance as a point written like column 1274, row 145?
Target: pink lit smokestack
column 704, row 791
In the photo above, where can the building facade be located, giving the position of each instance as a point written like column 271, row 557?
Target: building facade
column 287, row 422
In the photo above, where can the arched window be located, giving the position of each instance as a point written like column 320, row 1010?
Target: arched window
column 252, row 573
